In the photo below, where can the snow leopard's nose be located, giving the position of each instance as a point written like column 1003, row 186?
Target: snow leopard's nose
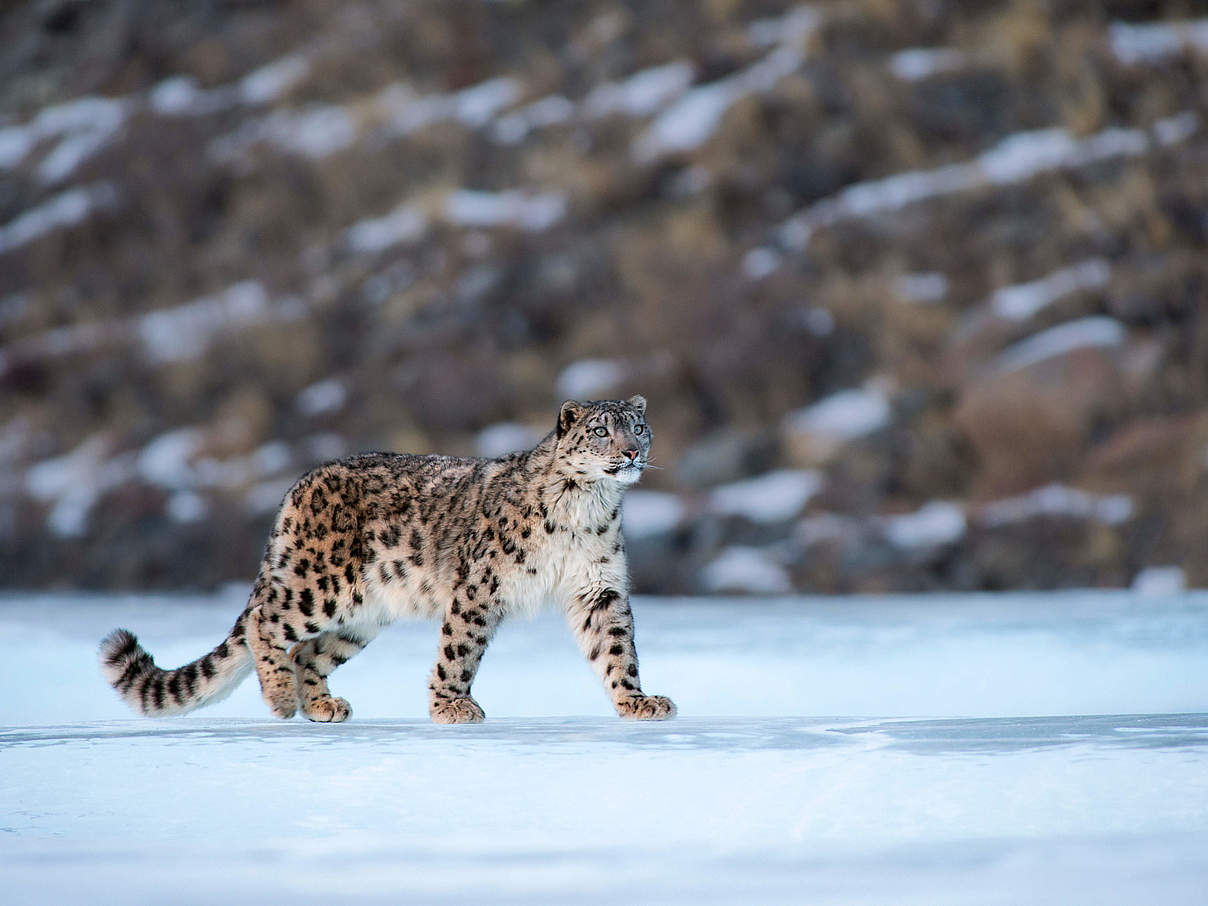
column 632, row 454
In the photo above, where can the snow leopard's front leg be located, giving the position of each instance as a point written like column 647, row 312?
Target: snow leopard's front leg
column 464, row 635
column 603, row 627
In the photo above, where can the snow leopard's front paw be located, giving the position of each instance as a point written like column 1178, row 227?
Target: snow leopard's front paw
column 646, row 707
column 327, row 709
column 456, row 711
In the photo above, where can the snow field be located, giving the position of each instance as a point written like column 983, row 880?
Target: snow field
column 753, row 794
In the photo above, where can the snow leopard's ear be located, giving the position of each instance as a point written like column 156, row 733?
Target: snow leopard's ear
column 568, row 415
column 638, row 402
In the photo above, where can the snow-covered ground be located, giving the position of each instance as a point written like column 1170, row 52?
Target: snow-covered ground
column 954, row 749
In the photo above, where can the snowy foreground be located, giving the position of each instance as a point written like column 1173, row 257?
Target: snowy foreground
column 954, row 772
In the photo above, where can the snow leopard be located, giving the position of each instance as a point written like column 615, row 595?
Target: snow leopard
column 363, row 541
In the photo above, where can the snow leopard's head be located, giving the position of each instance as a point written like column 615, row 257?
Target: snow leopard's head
column 606, row 439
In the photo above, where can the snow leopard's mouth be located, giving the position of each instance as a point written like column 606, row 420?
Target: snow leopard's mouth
column 627, row 467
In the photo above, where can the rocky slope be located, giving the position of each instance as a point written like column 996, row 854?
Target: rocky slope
column 917, row 291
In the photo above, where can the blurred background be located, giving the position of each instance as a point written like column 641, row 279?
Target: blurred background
column 917, row 291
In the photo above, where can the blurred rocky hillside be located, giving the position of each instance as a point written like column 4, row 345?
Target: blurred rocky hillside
column 917, row 290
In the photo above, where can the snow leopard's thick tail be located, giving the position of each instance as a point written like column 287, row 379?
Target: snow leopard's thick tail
column 155, row 692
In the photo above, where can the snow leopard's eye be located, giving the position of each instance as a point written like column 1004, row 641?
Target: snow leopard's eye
column 638, row 429
column 601, row 432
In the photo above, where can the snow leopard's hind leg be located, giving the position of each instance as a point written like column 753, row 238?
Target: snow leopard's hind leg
column 314, row 660
column 267, row 639
column 310, row 586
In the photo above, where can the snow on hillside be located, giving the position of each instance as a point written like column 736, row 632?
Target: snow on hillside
column 67, row 208
column 773, row 497
column 1153, row 41
column 917, row 63
column 1017, row 158
column 1022, row 301
column 844, row 415
column 651, row 513
column 1085, row 333
column 533, row 211
column 745, row 570
column 1057, row 500
column 867, row 239
column 936, row 523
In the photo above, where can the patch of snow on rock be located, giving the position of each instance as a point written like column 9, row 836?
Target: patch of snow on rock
column 66, row 209
column 772, row 497
column 642, row 93
column 505, row 437
column 1155, row 41
column 590, row 378
column 649, row 513
column 404, row 224
column 271, row 81
column 1096, row 332
column 316, row 132
column 745, row 570
column 184, row 332
column 237, row 472
column 15, row 143
column 921, row 288
column 550, row 110
column 477, row 105
column 934, row 524
column 1160, row 580
column 818, row 321
column 793, row 27
column 917, row 63
column 843, row 416
column 691, row 120
column 1173, row 130
column 272, row 457
column 1057, row 500
column 186, row 507
column 760, row 262
column 1021, row 301
column 167, row 461
column 52, row 478
column 1022, row 156
column 322, row 397
column 69, row 153
column 825, row 527
column 324, row 446
column 83, row 126
column 181, row 96
column 265, row 496
column 1156, row 581
column 474, row 106
column 74, row 482
column 86, row 125
column 688, row 124
column 532, row 211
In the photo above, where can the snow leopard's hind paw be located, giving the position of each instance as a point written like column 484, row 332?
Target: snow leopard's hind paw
column 646, row 707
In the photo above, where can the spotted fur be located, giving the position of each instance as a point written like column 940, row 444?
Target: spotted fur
column 364, row 541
